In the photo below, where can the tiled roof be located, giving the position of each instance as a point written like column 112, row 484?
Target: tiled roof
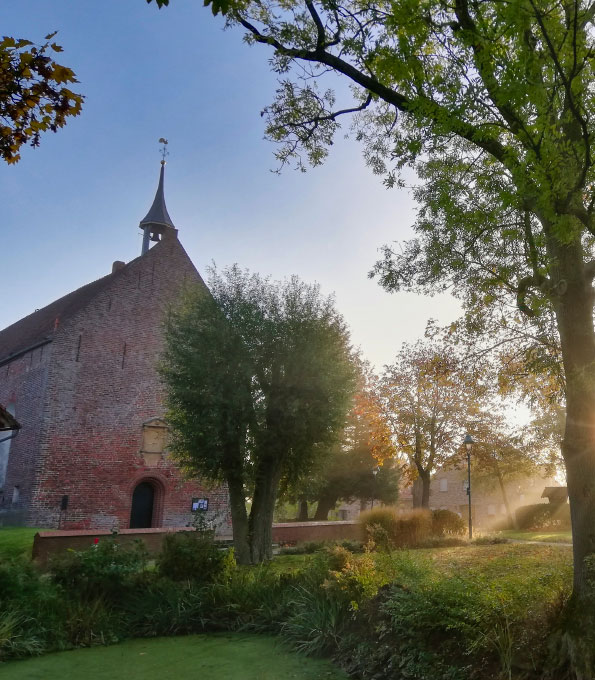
column 39, row 327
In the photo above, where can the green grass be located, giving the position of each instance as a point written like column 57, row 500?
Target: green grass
column 193, row 657
column 541, row 536
column 16, row 541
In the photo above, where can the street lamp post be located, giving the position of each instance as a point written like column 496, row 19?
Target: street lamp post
column 468, row 445
column 374, row 472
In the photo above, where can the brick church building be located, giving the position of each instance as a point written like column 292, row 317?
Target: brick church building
column 80, row 377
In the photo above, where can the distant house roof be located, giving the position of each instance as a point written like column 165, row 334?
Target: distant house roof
column 555, row 494
column 39, row 328
column 7, row 420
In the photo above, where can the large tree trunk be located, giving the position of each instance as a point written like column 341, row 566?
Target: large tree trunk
column 263, row 506
column 421, row 494
column 574, row 313
column 325, row 505
column 511, row 517
column 416, row 492
column 303, row 510
column 239, row 520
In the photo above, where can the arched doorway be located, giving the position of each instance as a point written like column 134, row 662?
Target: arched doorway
column 143, row 501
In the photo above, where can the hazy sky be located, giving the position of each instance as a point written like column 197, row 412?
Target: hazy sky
column 72, row 206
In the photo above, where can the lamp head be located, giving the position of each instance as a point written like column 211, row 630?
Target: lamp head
column 468, row 442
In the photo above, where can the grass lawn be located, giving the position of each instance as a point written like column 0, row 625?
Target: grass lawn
column 494, row 560
column 16, row 541
column 541, row 536
column 502, row 563
column 200, row 657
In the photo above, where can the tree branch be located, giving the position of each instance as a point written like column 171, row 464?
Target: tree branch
column 484, row 68
column 422, row 105
column 320, row 32
column 524, row 285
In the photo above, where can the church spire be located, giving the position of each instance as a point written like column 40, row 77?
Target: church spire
column 157, row 221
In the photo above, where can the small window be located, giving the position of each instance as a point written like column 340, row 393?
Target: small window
column 465, row 484
column 5, row 448
column 16, row 494
column 444, row 485
column 491, row 509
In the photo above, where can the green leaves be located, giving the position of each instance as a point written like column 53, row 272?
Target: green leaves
column 259, row 370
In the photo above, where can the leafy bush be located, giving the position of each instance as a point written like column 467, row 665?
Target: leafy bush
column 16, row 637
column 447, row 523
column 386, row 527
column 453, row 615
column 488, row 620
column 385, row 518
column 103, row 570
column 305, row 548
column 352, row 545
column 161, row 607
column 310, row 547
column 19, row 580
column 543, row 516
column 91, row 622
column 257, row 599
column 193, row 556
column 317, row 621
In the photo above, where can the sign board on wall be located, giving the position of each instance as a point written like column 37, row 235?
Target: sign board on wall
column 200, row 504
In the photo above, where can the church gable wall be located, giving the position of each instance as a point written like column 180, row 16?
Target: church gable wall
column 104, row 387
column 23, row 387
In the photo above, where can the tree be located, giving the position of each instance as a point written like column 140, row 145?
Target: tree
column 359, row 466
column 34, row 96
column 492, row 103
column 259, row 378
column 430, row 399
column 501, row 456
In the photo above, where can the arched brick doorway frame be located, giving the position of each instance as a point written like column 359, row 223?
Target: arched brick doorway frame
column 160, row 487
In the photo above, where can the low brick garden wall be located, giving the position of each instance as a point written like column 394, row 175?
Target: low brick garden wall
column 48, row 543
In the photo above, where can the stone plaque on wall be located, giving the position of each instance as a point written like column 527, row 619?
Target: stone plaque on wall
column 154, row 441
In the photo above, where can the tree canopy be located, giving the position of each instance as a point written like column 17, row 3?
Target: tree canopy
column 34, row 93
column 260, row 378
column 361, row 465
column 431, row 400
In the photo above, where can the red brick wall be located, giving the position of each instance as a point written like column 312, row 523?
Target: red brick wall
column 48, row 543
column 102, row 386
column 23, row 382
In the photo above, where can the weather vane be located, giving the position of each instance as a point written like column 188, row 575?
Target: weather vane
column 164, row 151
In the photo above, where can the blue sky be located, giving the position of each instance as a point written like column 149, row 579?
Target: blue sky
column 72, row 206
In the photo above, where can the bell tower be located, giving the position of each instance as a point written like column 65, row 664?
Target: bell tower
column 157, row 221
